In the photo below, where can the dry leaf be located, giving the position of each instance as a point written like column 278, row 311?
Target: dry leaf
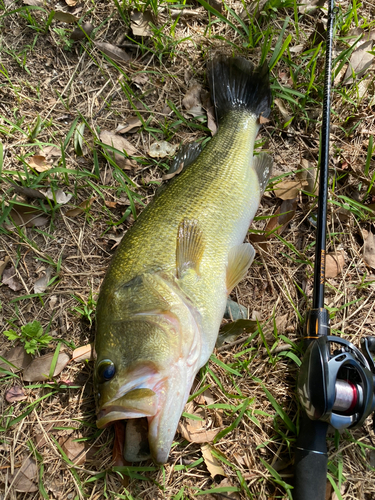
column 112, row 51
column 81, row 32
column 334, row 263
column 18, row 357
column 121, row 144
column 38, row 369
column 283, row 111
column 288, row 190
column 39, row 163
column 310, row 6
column 210, row 110
column 41, row 284
column 65, row 17
column 9, row 278
column 29, row 193
column 82, row 208
column 83, row 353
column 132, row 125
column 360, row 61
column 52, row 151
column 161, row 149
column 369, row 250
column 3, row 264
column 71, row 3
column 192, row 97
column 262, row 119
column 196, row 435
column 282, row 323
column 140, row 23
column 210, row 400
column 212, row 463
column 35, row 3
column 27, row 216
column 15, row 393
column 285, row 214
column 60, row 196
column 140, row 79
column 309, row 176
column 74, row 450
column 23, row 478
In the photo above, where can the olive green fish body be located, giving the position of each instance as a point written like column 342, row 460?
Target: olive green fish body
column 164, row 295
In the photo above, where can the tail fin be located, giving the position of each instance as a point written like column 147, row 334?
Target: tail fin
column 235, row 84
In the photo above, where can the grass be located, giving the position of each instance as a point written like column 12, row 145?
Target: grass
column 62, row 94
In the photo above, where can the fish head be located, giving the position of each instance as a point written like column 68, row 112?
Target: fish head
column 146, row 364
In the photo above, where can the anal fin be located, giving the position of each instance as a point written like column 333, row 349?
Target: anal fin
column 240, row 258
column 190, row 247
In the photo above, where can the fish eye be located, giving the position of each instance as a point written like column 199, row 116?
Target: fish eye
column 106, row 370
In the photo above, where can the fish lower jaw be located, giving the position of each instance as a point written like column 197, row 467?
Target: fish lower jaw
column 110, row 415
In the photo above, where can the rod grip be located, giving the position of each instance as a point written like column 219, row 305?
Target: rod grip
column 310, row 466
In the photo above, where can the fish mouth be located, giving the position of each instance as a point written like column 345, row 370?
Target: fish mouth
column 135, row 404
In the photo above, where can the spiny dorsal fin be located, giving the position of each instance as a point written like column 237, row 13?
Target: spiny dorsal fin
column 240, row 258
column 263, row 167
column 190, row 247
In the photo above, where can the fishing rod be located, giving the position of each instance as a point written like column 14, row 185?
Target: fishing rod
column 336, row 380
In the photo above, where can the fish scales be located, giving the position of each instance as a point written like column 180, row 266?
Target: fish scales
column 164, row 295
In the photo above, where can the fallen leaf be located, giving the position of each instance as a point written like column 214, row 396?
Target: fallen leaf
column 59, row 195
column 334, row 263
column 212, row 463
column 297, row 48
column 285, row 214
column 41, row 284
column 52, row 151
column 282, row 323
column 309, row 176
column 15, row 393
column 23, row 479
column 318, row 35
column 65, row 17
column 82, row 208
column 309, row 7
column 3, row 264
column 259, row 240
column 29, row 193
column 22, row 215
column 283, row 111
column 192, row 97
column 121, row 144
column 360, row 60
column 140, row 79
column 111, row 204
column 83, row 353
column 140, row 23
column 71, row 3
column 231, row 331
column 263, row 119
column 113, row 52
column 132, row 125
column 161, row 149
column 194, row 435
column 369, row 250
column 36, row 3
column 18, row 357
column 208, row 397
column 82, row 32
column 9, row 278
column 74, row 450
column 288, row 190
column 38, row 369
column 235, row 311
column 39, row 163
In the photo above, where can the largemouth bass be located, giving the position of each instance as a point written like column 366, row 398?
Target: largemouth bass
column 163, row 298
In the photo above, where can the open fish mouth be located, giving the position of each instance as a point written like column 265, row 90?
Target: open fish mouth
column 137, row 403
column 129, row 415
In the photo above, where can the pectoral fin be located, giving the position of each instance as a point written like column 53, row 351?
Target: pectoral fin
column 240, row 258
column 263, row 167
column 190, row 248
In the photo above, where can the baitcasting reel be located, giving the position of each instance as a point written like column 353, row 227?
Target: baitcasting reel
column 336, row 380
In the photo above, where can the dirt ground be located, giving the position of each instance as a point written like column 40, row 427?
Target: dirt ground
column 57, row 96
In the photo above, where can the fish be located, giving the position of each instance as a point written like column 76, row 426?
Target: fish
column 163, row 297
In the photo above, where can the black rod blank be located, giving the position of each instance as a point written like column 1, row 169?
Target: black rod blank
column 321, row 231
